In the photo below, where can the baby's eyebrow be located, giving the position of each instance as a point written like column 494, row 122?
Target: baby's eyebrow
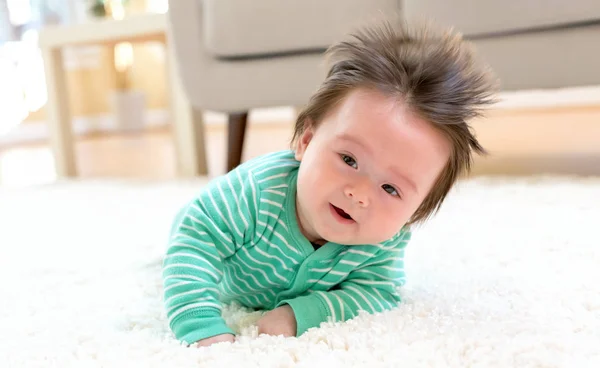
column 405, row 179
column 357, row 141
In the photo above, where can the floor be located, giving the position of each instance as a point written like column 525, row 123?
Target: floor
column 148, row 155
column 564, row 140
column 509, row 283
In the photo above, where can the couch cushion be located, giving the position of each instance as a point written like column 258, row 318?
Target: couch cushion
column 539, row 60
column 246, row 28
column 480, row 17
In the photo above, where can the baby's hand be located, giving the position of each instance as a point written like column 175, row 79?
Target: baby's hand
column 216, row 339
column 279, row 321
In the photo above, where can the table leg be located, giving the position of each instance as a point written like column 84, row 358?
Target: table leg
column 58, row 116
column 187, row 125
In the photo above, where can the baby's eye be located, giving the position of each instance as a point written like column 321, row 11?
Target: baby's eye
column 390, row 189
column 349, row 161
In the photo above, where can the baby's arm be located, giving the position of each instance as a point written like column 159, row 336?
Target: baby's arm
column 371, row 287
column 209, row 230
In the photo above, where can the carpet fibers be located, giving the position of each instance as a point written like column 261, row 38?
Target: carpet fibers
column 506, row 275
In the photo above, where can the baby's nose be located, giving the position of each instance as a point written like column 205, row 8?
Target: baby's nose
column 357, row 196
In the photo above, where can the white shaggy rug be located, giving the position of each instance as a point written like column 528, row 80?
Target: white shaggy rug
column 507, row 275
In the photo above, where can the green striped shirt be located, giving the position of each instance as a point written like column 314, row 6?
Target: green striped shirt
column 239, row 240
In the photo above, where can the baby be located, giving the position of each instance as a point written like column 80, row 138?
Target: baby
column 318, row 233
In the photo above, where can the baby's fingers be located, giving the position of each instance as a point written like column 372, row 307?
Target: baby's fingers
column 215, row 340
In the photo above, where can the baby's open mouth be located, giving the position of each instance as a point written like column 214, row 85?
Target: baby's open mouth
column 342, row 213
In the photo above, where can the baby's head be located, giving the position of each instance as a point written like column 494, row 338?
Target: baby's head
column 384, row 139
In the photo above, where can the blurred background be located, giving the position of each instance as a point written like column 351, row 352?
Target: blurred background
column 122, row 113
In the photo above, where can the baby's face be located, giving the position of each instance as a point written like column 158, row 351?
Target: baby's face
column 365, row 170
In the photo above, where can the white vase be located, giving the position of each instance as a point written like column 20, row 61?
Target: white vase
column 129, row 110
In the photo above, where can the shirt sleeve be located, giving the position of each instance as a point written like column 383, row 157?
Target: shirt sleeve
column 372, row 287
column 208, row 230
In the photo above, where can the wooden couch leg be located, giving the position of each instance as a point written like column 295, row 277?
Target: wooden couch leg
column 235, row 139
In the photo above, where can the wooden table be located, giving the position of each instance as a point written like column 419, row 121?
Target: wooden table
column 188, row 131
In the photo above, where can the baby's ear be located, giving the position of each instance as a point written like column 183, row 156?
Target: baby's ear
column 304, row 140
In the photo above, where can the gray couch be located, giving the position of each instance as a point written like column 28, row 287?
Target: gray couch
column 235, row 55
column 529, row 43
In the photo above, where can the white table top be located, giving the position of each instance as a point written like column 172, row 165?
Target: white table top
column 138, row 28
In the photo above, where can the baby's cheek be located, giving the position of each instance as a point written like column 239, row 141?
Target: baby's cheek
column 338, row 167
column 384, row 227
column 397, row 219
column 392, row 228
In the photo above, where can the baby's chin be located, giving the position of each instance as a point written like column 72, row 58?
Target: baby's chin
column 350, row 237
column 344, row 240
